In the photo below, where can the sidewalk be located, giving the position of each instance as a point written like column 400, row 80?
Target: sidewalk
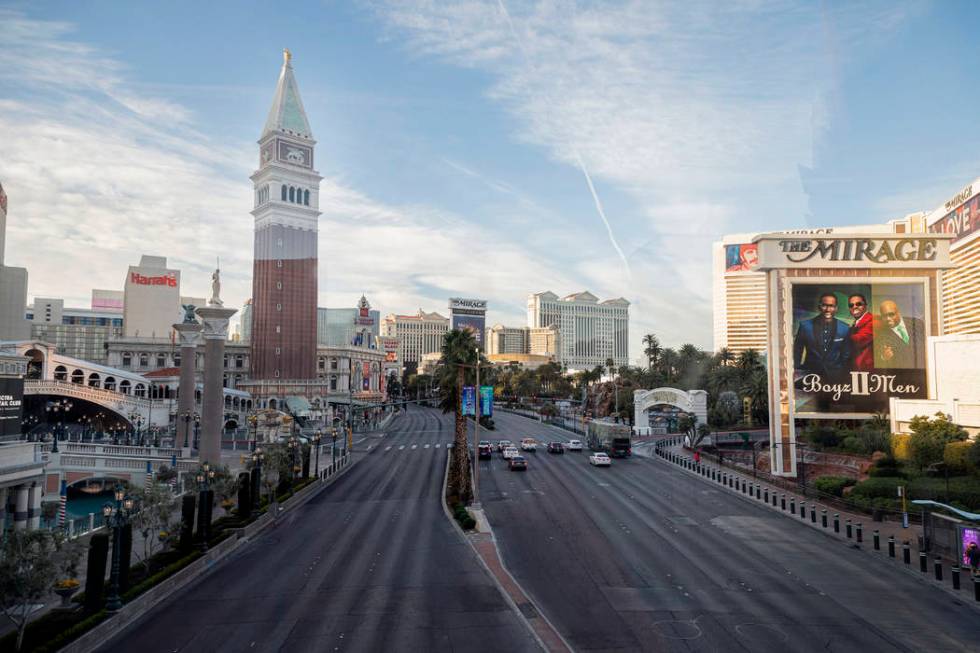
column 790, row 504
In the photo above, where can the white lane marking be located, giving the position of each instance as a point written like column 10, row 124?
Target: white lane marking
column 437, row 445
column 387, row 448
column 401, row 447
column 414, row 446
column 426, row 446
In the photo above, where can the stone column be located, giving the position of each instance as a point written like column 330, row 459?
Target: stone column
column 190, row 335
column 21, row 503
column 215, row 332
column 34, row 508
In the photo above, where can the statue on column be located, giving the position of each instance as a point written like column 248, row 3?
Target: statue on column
column 215, row 289
column 189, row 317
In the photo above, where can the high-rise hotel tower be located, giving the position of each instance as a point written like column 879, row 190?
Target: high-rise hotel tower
column 284, row 278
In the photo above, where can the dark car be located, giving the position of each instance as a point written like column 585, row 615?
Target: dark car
column 518, row 463
column 556, row 447
column 485, row 451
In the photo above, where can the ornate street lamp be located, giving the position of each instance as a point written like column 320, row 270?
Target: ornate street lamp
column 257, row 457
column 333, row 448
column 59, row 408
column 204, row 478
column 316, row 443
column 197, row 429
column 116, row 518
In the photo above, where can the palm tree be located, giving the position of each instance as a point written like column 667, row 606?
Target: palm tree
column 668, row 362
column 725, row 356
column 651, row 349
column 749, row 359
column 458, row 351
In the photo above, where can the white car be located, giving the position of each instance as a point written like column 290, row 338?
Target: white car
column 510, row 452
column 528, row 444
column 599, row 460
column 574, row 445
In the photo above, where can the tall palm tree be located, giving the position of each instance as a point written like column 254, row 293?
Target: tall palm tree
column 668, row 362
column 725, row 356
column 749, row 359
column 458, row 350
column 651, row 349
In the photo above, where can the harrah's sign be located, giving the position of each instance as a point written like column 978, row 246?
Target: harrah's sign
column 165, row 280
column 859, row 249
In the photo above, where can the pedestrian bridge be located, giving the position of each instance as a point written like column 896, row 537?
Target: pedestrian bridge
column 80, row 463
column 122, row 404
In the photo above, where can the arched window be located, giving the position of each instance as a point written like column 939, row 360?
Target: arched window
column 109, row 383
column 127, row 359
column 292, row 194
column 94, row 379
column 139, row 390
column 284, row 192
column 227, row 401
column 272, row 404
column 124, row 386
column 60, row 373
column 144, row 360
column 306, row 197
column 78, row 377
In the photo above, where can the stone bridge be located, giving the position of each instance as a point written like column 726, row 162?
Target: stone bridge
column 123, row 405
column 81, row 463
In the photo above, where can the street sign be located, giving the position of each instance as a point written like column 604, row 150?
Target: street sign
column 469, row 400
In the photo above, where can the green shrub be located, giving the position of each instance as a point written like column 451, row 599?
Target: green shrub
column 956, row 455
column 885, row 487
column 900, row 446
column 963, row 490
column 72, row 633
column 166, row 572
column 833, row 485
column 822, row 435
column 854, row 444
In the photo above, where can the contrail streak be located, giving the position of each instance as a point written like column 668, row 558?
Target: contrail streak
column 578, row 157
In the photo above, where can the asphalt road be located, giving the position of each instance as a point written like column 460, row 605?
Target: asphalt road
column 643, row 557
column 370, row 564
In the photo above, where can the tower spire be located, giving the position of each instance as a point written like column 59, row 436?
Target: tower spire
column 287, row 116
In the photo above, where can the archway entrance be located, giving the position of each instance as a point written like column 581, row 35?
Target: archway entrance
column 657, row 411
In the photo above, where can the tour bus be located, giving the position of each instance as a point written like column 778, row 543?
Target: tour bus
column 615, row 439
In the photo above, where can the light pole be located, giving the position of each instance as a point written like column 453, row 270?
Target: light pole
column 59, row 408
column 333, row 448
column 116, row 518
column 257, row 458
column 292, row 445
column 204, row 477
column 197, row 430
column 316, row 443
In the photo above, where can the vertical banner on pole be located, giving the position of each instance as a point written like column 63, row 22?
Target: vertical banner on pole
column 469, row 400
column 173, row 468
column 62, row 506
column 486, row 401
column 149, row 474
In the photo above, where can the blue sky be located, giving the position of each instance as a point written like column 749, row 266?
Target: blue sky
column 455, row 139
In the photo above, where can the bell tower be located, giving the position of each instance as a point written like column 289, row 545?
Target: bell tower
column 284, row 277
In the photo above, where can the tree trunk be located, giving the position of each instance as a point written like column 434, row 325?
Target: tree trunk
column 459, row 470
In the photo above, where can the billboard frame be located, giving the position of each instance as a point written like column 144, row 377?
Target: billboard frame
column 787, row 290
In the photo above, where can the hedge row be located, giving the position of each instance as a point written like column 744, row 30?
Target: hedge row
column 963, row 490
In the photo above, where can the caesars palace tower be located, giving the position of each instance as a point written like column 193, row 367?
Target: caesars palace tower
column 284, row 278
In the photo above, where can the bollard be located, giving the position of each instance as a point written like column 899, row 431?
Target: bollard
column 906, row 552
column 955, row 572
column 976, row 588
column 860, row 534
column 823, row 517
column 792, row 505
column 774, row 499
column 847, row 528
column 783, row 501
column 744, row 486
column 836, row 523
column 891, row 546
column 877, row 540
column 765, row 493
column 813, row 514
column 802, row 509
column 937, row 566
column 923, row 562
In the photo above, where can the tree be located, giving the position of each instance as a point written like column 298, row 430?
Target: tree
column 30, row 563
column 725, row 356
column 458, row 350
column 153, row 519
column 930, row 437
column 651, row 349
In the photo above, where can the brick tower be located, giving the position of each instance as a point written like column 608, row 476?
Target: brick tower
column 284, row 277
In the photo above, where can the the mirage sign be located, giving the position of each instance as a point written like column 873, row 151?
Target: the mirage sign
column 908, row 251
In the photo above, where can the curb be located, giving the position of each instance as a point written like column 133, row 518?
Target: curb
column 493, row 577
column 192, row 573
column 926, row 578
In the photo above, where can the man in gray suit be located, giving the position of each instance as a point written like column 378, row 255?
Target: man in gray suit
column 900, row 342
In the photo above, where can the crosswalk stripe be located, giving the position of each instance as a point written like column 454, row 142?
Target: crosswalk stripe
column 437, row 445
column 401, row 447
column 414, row 446
column 387, row 448
column 426, row 447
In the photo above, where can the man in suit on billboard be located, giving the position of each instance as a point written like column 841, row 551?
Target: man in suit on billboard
column 822, row 344
column 862, row 333
column 900, row 341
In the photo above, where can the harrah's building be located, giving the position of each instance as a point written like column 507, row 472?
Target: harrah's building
column 284, row 280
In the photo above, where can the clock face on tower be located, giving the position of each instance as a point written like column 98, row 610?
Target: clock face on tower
column 298, row 155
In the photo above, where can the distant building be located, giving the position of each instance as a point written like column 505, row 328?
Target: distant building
column 340, row 327
column 418, row 334
column 524, row 361
column 13, row 288
column 543, row 341
column 960, row 216
column 591, row 331
column 76, row 332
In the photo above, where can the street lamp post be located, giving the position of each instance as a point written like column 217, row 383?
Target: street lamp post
column 316, row 442
column 257, row 458
column 293, row 446
column 116, row 518
column 59, row 409
column 333, row 448
column 197, row 430
column 204, row 477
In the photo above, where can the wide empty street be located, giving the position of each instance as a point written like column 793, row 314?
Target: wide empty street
column 370, row 564
column 641, row 556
